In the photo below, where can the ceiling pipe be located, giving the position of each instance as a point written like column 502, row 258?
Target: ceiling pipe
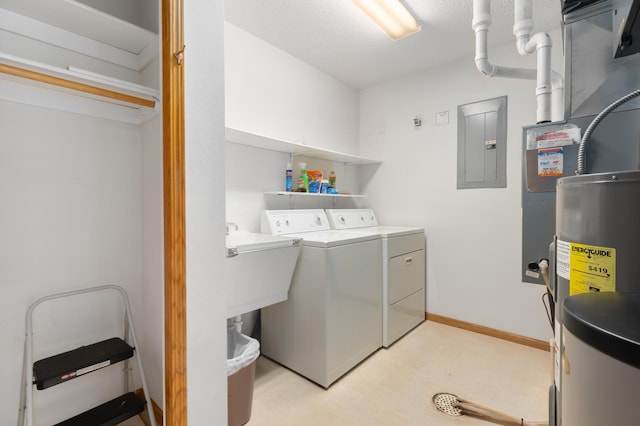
column 548, row 82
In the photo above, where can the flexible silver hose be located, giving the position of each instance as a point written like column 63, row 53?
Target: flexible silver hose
column 587, row 134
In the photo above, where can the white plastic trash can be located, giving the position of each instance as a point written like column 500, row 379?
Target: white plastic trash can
column 242, row 353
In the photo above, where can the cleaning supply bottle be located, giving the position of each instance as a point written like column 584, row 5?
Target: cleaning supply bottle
column 324, row 186
column 288, row 178
column 303, row 181
column 332, row 179
column 300, row 184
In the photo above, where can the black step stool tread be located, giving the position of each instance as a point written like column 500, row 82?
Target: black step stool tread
column 110, row 413
column 85, row 359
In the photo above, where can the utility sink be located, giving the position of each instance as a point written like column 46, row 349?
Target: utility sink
column 258, row 270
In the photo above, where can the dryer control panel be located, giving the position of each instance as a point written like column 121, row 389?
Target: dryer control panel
column 351, row 218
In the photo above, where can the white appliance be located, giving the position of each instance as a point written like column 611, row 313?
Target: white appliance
column 332, row 319
column 403, row 269
column 601, row 359
column 595, row 251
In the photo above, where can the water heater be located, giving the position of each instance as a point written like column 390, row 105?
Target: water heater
column 597, row 250
column 598, row 233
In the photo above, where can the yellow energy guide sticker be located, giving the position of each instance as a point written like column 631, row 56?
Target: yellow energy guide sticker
column 593, row 269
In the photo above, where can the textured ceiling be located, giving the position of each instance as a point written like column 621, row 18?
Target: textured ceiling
column 336, row 37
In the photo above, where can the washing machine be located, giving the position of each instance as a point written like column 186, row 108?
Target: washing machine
column 332, row 319
column 403, row 269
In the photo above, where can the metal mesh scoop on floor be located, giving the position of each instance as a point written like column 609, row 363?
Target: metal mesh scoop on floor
column 453, row 405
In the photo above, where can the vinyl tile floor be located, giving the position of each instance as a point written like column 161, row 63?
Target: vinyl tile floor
column 395, row 386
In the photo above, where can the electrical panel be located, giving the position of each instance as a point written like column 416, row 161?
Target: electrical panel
column 482, row 148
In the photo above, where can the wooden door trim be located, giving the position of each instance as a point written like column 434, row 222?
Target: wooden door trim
column 175, row 327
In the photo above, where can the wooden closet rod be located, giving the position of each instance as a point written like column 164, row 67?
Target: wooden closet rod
column 68, row 84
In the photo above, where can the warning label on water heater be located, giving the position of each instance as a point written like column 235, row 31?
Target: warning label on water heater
column 563, row 251
column 591, row 268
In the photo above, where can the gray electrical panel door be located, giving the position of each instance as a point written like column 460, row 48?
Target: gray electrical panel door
column 482, row 148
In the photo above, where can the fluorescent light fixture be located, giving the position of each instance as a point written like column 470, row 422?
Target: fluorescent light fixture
column 391, row 16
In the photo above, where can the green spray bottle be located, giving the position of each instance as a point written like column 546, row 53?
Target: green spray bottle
column 303, row 180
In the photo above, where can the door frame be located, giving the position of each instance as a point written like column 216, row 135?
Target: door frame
column 173, row 138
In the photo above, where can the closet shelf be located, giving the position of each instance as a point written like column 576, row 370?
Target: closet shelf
column 79, row 80
column 264, row 142
column 78, row 27
column 95, row 94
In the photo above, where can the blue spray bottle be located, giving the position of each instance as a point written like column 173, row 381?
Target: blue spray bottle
column 289, row 178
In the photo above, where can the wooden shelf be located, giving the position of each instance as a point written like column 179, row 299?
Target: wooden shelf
column 265, row 142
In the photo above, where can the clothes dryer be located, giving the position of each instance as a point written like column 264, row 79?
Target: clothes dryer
column 403, row 269
column 332, row 319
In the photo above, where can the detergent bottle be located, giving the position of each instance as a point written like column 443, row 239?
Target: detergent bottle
column 332, row 179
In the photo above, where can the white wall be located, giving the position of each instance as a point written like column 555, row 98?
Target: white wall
column 151, row 318
column 473, row 235
column 152, row 321
column 204, row 169
column 271, row 93
column 141, row 13
column 71, row 212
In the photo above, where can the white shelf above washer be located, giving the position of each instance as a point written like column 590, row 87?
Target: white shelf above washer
column 309, row 194
column 265, row 142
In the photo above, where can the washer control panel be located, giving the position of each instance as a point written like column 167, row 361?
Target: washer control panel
column 282, row 222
